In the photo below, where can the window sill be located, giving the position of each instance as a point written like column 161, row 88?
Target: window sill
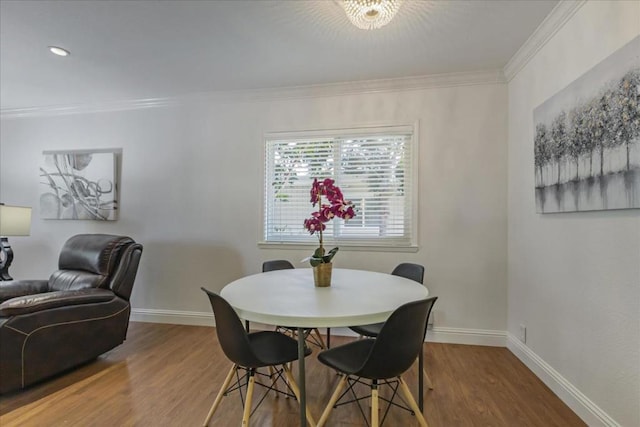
column 342, row 246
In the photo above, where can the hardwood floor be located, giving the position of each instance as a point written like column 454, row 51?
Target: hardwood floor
column 168, row 375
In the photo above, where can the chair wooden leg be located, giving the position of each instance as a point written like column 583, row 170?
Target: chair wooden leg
column 247, row 403
column 286, row 379
column 374, row 405
column 296, row 392
column 332, row 401
column 427, row 380
column 224, row 387
column 412, row 402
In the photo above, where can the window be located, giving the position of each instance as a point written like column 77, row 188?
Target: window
column 374, row 167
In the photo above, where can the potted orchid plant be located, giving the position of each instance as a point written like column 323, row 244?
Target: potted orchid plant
column 334, row 207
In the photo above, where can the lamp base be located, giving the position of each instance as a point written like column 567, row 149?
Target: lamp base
column 6, row 257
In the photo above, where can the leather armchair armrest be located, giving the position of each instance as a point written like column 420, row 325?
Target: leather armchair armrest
column 18, row 288
column 45, row 301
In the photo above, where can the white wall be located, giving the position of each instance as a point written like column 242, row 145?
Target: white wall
column 574, row 278
column 192, row 185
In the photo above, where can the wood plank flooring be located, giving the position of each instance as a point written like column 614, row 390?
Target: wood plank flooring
column 168, row 375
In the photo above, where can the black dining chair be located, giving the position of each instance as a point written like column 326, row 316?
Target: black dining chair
column 407, row 270
column 311, row 335
column 248, row 352
column 382, row 361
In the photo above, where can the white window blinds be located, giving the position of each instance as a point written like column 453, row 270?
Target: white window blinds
column 372, row 166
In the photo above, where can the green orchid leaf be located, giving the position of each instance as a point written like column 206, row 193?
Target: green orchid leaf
column 330, row 255
column 315, row 261
column 319, row 257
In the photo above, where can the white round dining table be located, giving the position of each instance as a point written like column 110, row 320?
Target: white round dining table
column 289, row 298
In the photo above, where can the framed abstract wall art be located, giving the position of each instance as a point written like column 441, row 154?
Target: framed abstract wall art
column 587, row 139
column 79, row 184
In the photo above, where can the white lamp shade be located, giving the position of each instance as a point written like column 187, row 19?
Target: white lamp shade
column 15, row 220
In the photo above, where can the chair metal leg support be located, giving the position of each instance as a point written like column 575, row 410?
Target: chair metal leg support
column 274, row 381
column 412, row 402
column 420, row 379
column 332, row 401
column 374, row 404
column 302, row 395
column 247, row 404
column 296, row 392
column 319, row 339
column 220, row 395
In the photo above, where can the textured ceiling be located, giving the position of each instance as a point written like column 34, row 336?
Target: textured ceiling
column 122, row 50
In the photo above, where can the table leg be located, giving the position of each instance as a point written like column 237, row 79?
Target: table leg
column 328, row 337
column 301, row 379
column 421, row 378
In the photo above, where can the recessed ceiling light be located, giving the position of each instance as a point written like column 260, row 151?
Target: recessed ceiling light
column 59, row 51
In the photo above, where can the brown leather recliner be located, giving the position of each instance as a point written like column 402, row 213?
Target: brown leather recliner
column 82, row 311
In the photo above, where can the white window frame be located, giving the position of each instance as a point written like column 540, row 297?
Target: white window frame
column 369, row 244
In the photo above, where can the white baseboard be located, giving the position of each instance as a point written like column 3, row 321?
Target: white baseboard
column 437, row 334
column 450, row 336
column 174, row 317
column 486, row 337
column 567, row 392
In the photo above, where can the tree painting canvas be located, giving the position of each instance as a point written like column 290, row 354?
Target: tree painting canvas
column 587, row 139
column 80, row 184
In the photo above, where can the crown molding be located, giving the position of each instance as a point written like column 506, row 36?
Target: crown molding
column 556, row 19
column 382, row 85
column 273, row 94
column 102, row 107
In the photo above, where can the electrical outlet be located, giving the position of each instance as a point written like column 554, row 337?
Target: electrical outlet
column 523, row 333
column 432, row 319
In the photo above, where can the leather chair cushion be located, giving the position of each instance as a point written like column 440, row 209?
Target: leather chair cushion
column 64, row 280
column 87, row 261
column 95, row 253
column 18, row 288
column 48, row 300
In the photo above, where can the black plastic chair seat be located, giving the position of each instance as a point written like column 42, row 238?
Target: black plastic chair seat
column 347, row 358
column 371, row 330
column 248, row 352
column 276, row 264
column 273, row 348
column 393, row 351
column 382, row 360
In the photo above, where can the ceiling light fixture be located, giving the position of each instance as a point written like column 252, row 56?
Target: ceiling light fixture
column 59, row 51
column 371, row 14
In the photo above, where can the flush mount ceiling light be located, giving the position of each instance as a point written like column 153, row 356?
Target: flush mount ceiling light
column 371, row 14
column 59, row 51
